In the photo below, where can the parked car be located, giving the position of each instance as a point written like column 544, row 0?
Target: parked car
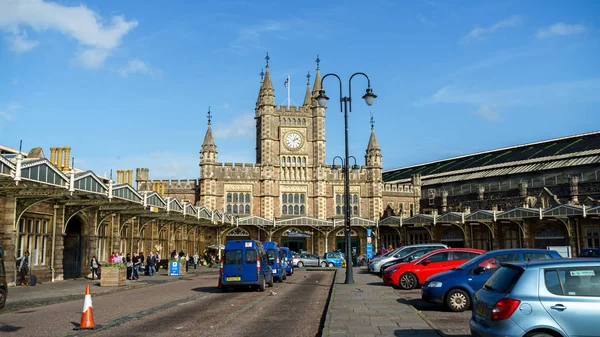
column 410, row 257
column 455, row 288
column 245, row 263
column 3, row 284
column 308, row 260
column 590, row 252
column 557, row 297
column 409, row 275
column 375, row 266
column 334, row 259
column 275, row 262
column 287, row 259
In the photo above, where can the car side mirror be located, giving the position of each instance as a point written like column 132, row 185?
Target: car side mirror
column 426, row 262
column 478, row 270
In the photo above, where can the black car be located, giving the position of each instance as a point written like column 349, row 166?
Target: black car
column 410, row 257
column 590, row 252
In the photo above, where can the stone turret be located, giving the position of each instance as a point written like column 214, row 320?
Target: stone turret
column 308, row 95
column 319, row 160
column 373, row 155
column 208, row 167
column 373, row 170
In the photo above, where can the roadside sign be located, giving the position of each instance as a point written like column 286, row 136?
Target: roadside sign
column 173, row 268
column 369, row 244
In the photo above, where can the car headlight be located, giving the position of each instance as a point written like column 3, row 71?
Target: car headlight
column 435, row 284
column 389, row 271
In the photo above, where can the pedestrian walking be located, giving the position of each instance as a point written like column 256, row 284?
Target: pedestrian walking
column 23, row 268
column 94, row 265
column 129, row 265
column 136, row 266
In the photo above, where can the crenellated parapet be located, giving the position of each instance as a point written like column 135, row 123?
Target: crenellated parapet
column 237, row 171
column 162, row 186
column 284, row 110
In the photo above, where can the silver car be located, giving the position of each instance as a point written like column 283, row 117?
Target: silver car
column 308, row 260
column 375, row 265
column 542, row 298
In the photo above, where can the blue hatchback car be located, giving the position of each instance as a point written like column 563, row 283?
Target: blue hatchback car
column 245, row 263
column 455, row 288
column 544, row 298
column 286, row 256
column 278, row 267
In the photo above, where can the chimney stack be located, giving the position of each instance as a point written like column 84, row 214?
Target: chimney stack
column 53, row 155
column 67, row 157
column 59, row 158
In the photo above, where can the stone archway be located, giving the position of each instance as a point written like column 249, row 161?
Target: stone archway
column 237, row 233
column 550, row 236
column 73, row 259
column 340, row 241
column 453, row 237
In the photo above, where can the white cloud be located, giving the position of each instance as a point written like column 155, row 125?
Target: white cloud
column 583, row 91
column 80, row 23
column 479, row 33
column 425, row 20
column 241, row 127
column 137, row 66
column 7, row 113
column 225, row 105
column 19, row 43
column 485, row 111
column 250, row 37
column 560, row 29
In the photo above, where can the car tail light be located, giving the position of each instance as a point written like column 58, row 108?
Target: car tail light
column 221, row 265
column 504, row 308
column 258, row 264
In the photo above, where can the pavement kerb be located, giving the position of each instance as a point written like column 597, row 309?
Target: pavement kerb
column 19, row 304
column 330, row 298
column 428, row 321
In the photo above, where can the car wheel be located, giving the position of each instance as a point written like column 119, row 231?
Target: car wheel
column 457, row 300
column 300, row 264
column 323, row 264
column 271, row 281
column 292, row 272
column 262, row 285
column 408, row 281
column 2, row 298
column 330, row 265
column 284, row 275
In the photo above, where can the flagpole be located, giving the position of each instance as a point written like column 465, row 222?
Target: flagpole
column 288, row 88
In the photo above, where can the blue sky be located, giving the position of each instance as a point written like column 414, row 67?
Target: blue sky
column 127, row 84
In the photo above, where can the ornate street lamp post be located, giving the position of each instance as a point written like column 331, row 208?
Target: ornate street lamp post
column 369, row 98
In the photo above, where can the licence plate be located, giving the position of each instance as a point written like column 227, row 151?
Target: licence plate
column 233, row 278
column 480, row 311
column 274, row 271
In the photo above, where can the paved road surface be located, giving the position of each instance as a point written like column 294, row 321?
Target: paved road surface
column 187, row 308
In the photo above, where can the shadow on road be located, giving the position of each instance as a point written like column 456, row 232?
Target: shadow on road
column 211, row 290
column 377, row 284
column 422, row 305
column 9, row 328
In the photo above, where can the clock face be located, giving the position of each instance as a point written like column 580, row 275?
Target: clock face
column 293, row 140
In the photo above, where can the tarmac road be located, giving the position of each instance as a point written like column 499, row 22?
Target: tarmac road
column 193, row 307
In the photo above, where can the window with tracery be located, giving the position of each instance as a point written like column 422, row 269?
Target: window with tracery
column 354, row 204
column 239, row 203
column 293, row 204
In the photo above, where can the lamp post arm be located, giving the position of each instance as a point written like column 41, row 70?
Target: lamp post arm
column 350, row 86
column 339, row 80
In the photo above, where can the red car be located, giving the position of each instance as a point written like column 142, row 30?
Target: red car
column 408, row 275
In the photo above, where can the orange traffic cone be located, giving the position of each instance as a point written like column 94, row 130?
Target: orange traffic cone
column 87, row 316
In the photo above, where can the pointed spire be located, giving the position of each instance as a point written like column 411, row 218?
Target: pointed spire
column 317, row 85
column 308, row 96
column 373, row 145
column 266, row 83
column 262, row 75
column 209, row 141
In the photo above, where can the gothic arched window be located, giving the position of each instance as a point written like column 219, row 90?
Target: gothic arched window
column 247, row 209
column 302, row 209
column 296, row 198
column 338, row 210
column 235, row 197
column 284, row 210
column 302, row 198
column 247, row 198
column 228, row 197
column 338, row 199
column 284, row 199
column 296, row 210
column 229, row 209
column 235, row 209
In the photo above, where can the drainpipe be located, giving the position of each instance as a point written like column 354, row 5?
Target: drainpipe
column 577, row 235
column 52, row 269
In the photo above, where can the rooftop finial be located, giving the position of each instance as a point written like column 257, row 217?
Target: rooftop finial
column 267, row 58
column 318, row 60
column 262, row 75
column 308, row 78
column 209, row 116
column 372, row 120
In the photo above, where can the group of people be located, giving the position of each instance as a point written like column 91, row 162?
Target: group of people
column 136, row 264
